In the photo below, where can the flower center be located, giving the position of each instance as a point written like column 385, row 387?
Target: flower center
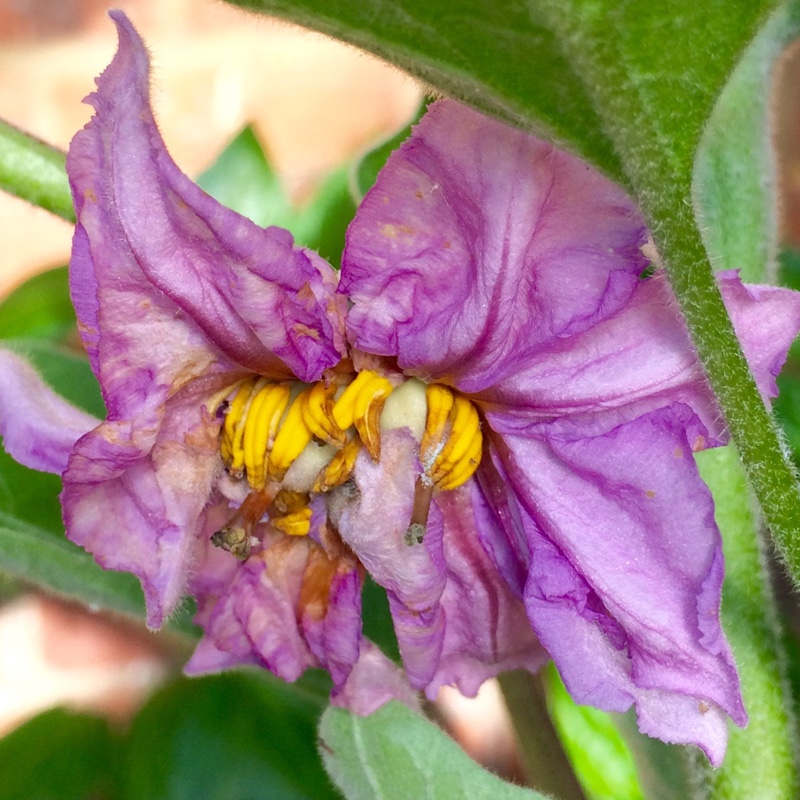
column 289, row 440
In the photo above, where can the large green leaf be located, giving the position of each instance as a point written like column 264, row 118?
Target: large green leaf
column 761, row 759
column 238, row 736
column 60, row 756
column 497, row 56
column 735, row 185
column 39, row 308
column 56, row 564
column 395, row 754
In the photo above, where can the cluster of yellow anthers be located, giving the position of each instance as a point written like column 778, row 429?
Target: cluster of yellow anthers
column 268, row 426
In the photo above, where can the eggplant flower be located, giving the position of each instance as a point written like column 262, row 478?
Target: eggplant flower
column 492, row 412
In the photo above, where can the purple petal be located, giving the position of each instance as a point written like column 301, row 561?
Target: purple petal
column 165, row 279
column 486, row 627
column 288, row 607
column 374, row 522
column 134, row 494
column 642, row 358
column 374, row 681
column 255, row 620
column 455, row 618
column 626, row 572
column 480, row 245
column 39, row 428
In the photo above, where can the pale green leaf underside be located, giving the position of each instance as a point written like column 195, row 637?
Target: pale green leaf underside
column 395, row 754
column 735, row 183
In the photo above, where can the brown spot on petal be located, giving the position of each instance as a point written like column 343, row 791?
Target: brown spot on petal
column 703, row 707
column 649, row 494
column 90, row 195
column 202, row 437
column 678, row 452
column 389, row 231
column 699, row 444
column 316, row 588
column 305, row 330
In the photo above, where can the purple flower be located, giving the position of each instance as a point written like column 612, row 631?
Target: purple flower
column 493, row 414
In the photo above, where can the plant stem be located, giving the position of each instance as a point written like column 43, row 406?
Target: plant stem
column 543, row 758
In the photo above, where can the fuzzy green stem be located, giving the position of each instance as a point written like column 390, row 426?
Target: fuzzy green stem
column 543, row 758
column 751, row 425
column 34, row 171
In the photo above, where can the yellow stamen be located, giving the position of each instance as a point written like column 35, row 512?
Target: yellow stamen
column 318, row 415
column 340, row 468
column 233, row 417
column 344, row 408
column 297, row 523
column 452, row 444
column 440, row 403
column 287, row 501
column 292, row 437
column 261, row 428
column 367, row 414
column 237, row 434
column 465, row 467
column 465, row 425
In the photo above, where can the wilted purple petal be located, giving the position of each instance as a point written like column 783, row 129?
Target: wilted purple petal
column 374, row 521
column 374, row 681
column 288, row 607
column 455, row 618
column 134, row 495
column 169, row 277
column 642, row 358
column 486, row 627
column 255, row 620
column 480, row 245
column 39, row 428
column 626, row 572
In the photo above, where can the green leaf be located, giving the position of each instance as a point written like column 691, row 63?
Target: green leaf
column 499, row 57
column 243, row 179
column 59, row 755
column 760, row 761
column 40, row 308
column 240, row 736
column 599, row 754
column 395, row 753
column 735, row 186
column 34, row 171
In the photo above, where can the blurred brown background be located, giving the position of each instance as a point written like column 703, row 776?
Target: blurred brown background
column 314, row 102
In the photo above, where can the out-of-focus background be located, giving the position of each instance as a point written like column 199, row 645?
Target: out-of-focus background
column 315, row 104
